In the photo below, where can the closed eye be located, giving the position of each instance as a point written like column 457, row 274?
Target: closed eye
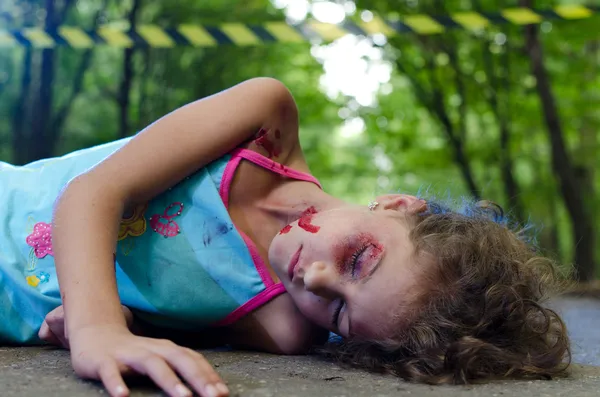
column 355, row 258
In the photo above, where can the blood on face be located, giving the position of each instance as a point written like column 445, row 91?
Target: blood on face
column 286, row 229
column 305, row 221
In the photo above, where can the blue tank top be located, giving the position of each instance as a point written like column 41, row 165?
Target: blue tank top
column 180, row 261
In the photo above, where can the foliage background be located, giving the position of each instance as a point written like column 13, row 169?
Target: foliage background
column 461, row 113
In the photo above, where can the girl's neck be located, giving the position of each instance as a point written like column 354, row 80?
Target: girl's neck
column 284, row 205
column 289, row 203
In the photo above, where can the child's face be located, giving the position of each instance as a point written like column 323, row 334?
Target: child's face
column 351, row 257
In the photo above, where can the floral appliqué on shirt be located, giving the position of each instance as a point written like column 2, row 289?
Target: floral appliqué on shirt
column 40, row 278
column 164, row 224
column 133, row 224
column 40, row 241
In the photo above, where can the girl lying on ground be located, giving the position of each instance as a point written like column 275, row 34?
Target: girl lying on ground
column 209, row 219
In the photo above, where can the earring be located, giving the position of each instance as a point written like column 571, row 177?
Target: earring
column 373, row 205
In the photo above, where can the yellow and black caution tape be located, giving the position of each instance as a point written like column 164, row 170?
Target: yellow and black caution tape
column 242, row 34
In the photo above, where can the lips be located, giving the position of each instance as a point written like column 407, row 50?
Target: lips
column 294, row 263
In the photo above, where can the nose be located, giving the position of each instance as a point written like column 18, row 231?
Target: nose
column 319, row 278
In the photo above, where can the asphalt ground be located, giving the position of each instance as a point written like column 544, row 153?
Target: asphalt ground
column 44, row 371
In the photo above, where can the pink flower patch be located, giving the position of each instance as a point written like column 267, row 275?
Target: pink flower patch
column 41, row 239
column 164, row 224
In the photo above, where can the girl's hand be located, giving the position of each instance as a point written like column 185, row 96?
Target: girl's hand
column 106, row 353
column 53, row 328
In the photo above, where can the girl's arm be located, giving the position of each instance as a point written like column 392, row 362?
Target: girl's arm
column 88, row 212
column 53, row 329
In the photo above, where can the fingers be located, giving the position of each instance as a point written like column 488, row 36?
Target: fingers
column 163, row 361
column 58, row 329
column 159, row 371
column 111, row 377
column 47, row 335
column 194, row 368
column 53, row 328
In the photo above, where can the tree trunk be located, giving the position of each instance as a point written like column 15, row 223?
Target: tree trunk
column 583, row 232
column 455, row 134
column 434, row 102
column 127, row 78
column 19, row 112
column 7, row 66
column 62, row 114
column 143, row 105
column 457, row 144
column 502, row 116
column 549, row 238
column 587, row 150
column 39, row 144
column 511, row 187
column 86, row 60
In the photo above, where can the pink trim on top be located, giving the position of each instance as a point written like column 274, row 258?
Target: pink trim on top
column 256, row 302
column 226, row 180
column 272, row 289
column 274, row 166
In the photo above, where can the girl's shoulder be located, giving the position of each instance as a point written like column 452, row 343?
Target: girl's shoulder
column 278, row 138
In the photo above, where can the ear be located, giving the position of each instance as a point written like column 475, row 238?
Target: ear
column 402, row 202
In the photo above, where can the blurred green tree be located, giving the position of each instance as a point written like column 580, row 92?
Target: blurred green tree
column 507, row 114
column 499, row 99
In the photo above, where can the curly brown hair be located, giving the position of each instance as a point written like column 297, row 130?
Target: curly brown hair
column 482, row 317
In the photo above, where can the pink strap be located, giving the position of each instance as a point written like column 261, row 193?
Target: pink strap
column 274, row 166
column 254, row 303
column 260, row 160
column 227, row 178
column 272, row 289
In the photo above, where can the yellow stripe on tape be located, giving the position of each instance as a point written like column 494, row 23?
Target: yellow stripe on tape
column 239, row 34
column 115, row 37
column 283, row 32
column 424, row 24
column 117, row 34
column 197, row 35
column 471, row 20
column 377, row 26
column 573, row 11
column 521, row 16
column 38, row 38
column 328, row 31
column 155, row 36
column 76, row 37
column 7, row 39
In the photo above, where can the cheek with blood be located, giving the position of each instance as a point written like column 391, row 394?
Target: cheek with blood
column 286, row 229
column 305, row 222
column 310, row 211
